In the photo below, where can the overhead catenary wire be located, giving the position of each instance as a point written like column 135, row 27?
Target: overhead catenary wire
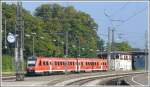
column 120, row 9
column 132, row 16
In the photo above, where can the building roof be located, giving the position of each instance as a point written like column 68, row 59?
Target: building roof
column 114, row 52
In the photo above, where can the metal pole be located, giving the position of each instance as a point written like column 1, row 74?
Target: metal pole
column 79, row 46
column 113, row 39
column 1, row 38
column 109, row 48
column 113, row 47
column 5, row 34
column 66, row 50
column 146, row 51
column 19, row 44
column 33, row 46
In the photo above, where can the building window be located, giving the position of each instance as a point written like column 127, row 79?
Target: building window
column 117, row 56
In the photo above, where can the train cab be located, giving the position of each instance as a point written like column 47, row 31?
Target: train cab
column 31, row 62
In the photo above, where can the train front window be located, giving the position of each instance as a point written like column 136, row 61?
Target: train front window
column 31, row 61
column 30, row 65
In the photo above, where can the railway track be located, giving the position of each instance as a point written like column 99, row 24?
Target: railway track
column 60, row 80
column 71, row 75
column 95, row 79
column 85, row 81
column 8, row 77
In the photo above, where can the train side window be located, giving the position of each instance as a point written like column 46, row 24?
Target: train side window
column 92, row 63
column 40, row 63
column 58, row 63
column 55, row 63
column 43, row 62
column 47, row 63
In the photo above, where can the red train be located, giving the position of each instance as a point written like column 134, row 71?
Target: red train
column 45, row 65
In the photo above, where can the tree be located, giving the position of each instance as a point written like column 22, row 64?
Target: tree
column 47, row 21
column 123, row 46
column 79, row 25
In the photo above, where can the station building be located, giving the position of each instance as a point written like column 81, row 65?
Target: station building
column 119, row 60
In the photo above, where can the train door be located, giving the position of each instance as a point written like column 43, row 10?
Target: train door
column 50, row 66
column 78, row 65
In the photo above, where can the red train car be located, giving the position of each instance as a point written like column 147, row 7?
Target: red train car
column 47, row 65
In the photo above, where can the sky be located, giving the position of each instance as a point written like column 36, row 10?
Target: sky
column 135, row 15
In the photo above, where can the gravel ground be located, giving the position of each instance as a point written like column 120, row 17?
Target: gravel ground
column 50, row 80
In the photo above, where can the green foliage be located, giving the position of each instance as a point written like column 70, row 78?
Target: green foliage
column 123, row 46
column 49, row 20
column 7, row 63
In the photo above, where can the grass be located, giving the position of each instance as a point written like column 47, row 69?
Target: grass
column 7, row 63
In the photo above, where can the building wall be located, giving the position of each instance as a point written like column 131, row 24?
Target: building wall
column 123, row 63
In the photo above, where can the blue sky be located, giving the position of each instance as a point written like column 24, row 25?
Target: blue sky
column 132, row 30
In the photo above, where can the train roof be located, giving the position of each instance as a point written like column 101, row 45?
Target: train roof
column 62, row 58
